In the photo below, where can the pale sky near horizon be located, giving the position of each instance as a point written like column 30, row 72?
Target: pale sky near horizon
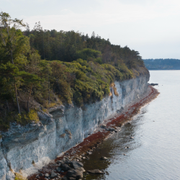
column 151, row 27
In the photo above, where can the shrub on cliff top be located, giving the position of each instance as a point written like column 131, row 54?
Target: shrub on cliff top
column 19, row 177
column 84, row 69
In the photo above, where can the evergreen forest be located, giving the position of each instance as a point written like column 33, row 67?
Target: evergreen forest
column 40, row 69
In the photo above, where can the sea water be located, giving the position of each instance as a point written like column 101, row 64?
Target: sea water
column 148, row 148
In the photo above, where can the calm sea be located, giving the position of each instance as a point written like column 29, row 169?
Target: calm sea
column 154, row 152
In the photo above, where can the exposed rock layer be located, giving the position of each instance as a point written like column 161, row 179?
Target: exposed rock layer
column 28, row 148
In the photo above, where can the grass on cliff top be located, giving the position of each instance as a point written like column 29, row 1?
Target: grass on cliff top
column 19, row 177
column 79, row 82
column 82, row 72
column 23, row 118
column 88, row 81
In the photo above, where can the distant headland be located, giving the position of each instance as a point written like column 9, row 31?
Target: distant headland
column 162, row 64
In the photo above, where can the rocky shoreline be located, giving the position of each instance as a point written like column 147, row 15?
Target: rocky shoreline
column 69, row 166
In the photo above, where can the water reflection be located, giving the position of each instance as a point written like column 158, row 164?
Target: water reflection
column 117, row 148
column 153, row 152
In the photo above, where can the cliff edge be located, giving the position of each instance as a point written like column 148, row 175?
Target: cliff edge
column 27, row 148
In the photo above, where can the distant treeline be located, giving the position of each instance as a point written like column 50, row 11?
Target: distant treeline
column 162, row 64
column 70, row 45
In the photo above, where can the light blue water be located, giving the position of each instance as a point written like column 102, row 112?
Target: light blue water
column 154, row 153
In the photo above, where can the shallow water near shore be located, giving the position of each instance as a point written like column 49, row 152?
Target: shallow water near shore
column 149, row 146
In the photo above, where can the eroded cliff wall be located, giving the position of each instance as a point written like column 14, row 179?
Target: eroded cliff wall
column 28, row 148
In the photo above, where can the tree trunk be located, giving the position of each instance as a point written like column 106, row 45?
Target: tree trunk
column 29, row 99
column 48, row 90
column 28, row 105
column 7, row 105
column 19, row 111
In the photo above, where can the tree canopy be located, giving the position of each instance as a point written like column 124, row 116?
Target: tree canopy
column 40, row 69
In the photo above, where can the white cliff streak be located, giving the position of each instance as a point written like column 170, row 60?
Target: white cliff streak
column 28, row 148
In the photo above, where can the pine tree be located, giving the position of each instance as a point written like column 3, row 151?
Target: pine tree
column 13, row 47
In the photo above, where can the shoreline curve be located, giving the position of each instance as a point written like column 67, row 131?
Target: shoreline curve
column 100, row 133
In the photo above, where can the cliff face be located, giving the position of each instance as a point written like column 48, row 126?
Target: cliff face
column 28, row 148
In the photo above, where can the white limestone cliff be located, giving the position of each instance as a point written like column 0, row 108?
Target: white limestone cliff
column 27, row 148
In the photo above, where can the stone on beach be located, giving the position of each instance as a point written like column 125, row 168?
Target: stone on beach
column 65, row 167
column 95, row 171
column 46, row 175
column 110, row 129
column 77, row 174
column 103, row 158
column 53, row 174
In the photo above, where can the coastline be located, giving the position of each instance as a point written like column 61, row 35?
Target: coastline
column 106, row 129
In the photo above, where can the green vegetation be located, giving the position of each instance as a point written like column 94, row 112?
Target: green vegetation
column 19, row 177
column 40, row 69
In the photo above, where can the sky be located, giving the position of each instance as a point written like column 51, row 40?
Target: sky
column 151, row 27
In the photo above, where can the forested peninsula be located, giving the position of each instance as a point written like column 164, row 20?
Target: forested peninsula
column 162, row 64
column 40, row 69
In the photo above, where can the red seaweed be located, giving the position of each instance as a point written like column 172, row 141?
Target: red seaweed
column 96, row 138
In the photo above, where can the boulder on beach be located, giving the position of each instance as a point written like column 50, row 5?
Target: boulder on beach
column 77, row 174
column 95, row 171
column 103, row 158
column 53, row 174
column 110, row 129
column 103, row 126
column 76, row 164
column 46, row 175
column 154, row 84
column 65, row 167
column 58, row 169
